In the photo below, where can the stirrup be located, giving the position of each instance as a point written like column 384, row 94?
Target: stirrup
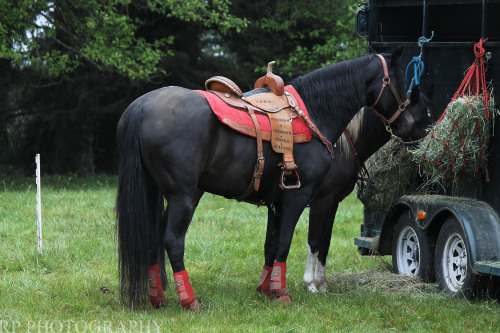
column 289, row 187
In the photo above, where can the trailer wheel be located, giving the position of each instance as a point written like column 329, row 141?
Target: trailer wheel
column 412, row 252
column 453, row 263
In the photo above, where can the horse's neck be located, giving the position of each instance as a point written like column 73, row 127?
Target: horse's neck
column 366, row 134
column 333, row 95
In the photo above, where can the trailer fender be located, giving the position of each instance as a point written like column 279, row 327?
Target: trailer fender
column 479, row 221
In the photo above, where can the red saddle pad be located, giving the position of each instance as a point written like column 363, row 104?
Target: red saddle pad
column 229, row 115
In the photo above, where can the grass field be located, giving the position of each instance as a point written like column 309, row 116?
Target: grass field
column 59, row 291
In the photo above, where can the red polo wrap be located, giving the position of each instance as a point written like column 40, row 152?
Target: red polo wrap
column 265, row 278
column 185, row 291
column 156, row 296
column 278, row 284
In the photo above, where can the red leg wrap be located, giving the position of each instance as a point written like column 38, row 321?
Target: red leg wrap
column 265, row 278
column 185, row 291
column 156, row 296
column 277, row 285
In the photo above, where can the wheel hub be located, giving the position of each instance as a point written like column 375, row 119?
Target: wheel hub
column 455, row 262
column 408, row 252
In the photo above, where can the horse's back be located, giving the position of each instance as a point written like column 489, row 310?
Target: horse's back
column 173, row 109
column 184, row 146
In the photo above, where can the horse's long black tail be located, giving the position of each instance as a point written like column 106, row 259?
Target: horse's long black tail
column 135, row 212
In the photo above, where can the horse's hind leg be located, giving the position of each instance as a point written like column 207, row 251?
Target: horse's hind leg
column 180, row 212
column 162, row 253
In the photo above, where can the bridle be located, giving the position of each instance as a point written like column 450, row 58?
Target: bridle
column 386, row 81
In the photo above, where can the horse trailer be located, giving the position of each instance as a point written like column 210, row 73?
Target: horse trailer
column 452, row 239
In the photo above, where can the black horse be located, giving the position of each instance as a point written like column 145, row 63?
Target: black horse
column 361, row 140
column 172, row 146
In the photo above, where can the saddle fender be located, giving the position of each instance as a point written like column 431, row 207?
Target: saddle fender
column 479, row 222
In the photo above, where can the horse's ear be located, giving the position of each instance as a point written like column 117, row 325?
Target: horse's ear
column 430, row 91
column 371, row 49
column 415, row 94
column 396, row 54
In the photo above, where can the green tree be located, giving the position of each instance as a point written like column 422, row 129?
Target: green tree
column 68, row 68
column 57, row 36
column 76, row 64
column 300, row 35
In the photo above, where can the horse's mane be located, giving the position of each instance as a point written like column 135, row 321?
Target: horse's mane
column 365, row 124
column 331, row 93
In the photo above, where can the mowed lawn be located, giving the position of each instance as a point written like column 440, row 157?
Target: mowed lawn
column 60, row 290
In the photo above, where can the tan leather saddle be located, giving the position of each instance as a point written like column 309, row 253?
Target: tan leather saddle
column 280, row 107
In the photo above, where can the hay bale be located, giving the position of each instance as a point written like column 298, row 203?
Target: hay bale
column 392, row 173
column 456, row 147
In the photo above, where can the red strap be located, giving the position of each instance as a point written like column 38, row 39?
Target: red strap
column 475, row 79
column 350, row 141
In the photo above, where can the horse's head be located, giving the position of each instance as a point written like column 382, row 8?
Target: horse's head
column 420, row 115
column 387, row 98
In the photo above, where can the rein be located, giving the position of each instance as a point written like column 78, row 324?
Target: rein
column 361, row 165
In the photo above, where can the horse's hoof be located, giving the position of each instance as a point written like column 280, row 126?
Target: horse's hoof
column 283, row 299
column 280, row 296
column 310, row 287
column 158, row 300
column 322, row 288
column 193, row 306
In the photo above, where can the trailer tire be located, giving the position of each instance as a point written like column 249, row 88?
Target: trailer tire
column 412, row 249
column 453, row 262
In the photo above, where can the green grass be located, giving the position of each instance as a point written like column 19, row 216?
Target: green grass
column 59, row 291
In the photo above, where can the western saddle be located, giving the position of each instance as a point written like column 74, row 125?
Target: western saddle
column 280, row 107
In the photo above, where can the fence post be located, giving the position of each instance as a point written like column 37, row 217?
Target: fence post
column 38, row 202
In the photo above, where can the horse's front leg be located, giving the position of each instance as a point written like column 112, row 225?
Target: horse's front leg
column 321, row 218
column 270, row 245
column 293, row 204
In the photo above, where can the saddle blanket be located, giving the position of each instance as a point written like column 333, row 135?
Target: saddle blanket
column 240, row 120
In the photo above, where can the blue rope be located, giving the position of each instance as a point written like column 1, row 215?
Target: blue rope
column 418, row 64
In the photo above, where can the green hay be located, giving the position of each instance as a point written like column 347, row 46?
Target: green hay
column 396, row 170
column 456, row 147
column 393, row 173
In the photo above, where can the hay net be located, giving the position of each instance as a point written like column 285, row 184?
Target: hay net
column 456, row 146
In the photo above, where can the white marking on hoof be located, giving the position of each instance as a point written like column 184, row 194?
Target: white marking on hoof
column 320, row 277
column 309, row 272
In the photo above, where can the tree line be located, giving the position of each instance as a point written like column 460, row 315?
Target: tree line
column 68, row 69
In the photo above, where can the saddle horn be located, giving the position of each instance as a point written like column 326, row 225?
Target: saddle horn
column 273, row 81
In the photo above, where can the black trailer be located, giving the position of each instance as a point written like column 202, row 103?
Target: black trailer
column 453, row 239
